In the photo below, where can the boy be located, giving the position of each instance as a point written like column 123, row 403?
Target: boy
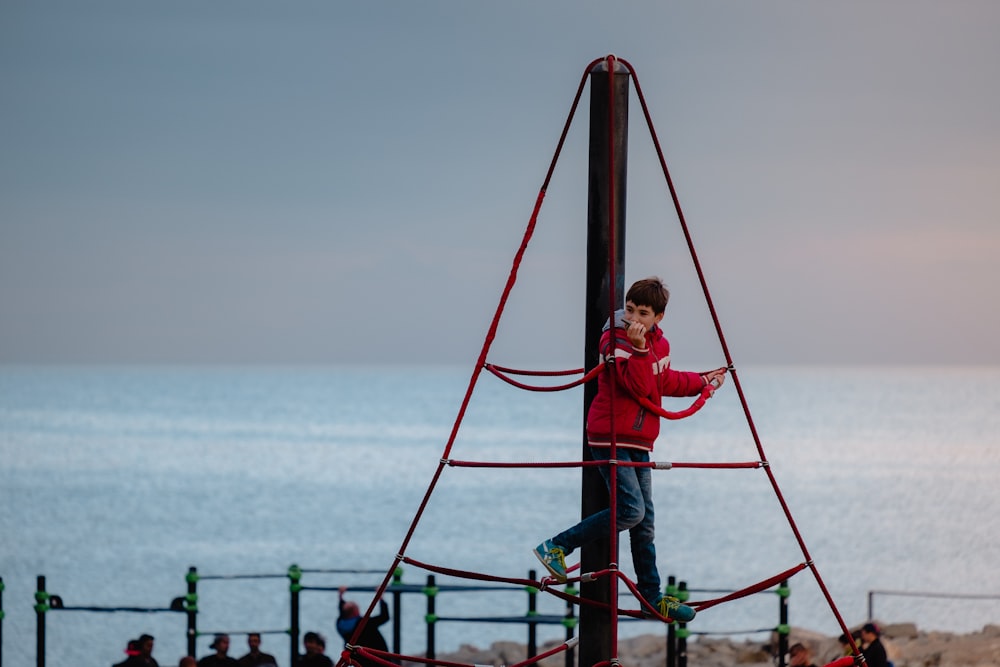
column 641, row 367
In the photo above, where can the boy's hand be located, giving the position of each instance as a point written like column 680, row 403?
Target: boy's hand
column 716, row 377
column 636, row 334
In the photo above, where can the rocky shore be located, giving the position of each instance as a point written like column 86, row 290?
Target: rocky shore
column 906, row 645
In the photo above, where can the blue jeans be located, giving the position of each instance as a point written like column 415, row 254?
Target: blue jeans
column 635, row 514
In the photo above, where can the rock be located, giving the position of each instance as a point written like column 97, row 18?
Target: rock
column 900, row 630
column 906, row 645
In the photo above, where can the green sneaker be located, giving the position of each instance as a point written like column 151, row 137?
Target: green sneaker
column 672, row 609
column 553, row 557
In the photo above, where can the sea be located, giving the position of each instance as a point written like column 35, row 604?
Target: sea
column 114, row 481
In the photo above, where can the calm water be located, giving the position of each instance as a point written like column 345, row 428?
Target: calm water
column 114, row 481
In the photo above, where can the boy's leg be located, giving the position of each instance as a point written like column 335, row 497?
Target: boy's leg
column 552, row 552
column 642, row 534
column 641, row 537
column 630, row 504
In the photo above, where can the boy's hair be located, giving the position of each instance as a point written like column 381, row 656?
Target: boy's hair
column 649, row 292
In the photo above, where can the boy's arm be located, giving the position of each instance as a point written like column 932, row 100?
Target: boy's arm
column 682, row 383
column 687, row 383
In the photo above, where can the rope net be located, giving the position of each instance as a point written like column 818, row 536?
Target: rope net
column 360, row 655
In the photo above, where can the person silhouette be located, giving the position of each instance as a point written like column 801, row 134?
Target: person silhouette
column 371, row 637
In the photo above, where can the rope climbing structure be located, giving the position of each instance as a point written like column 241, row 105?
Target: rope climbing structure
column 608, row 615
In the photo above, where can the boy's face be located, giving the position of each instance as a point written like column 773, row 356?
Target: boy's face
column 644, row 315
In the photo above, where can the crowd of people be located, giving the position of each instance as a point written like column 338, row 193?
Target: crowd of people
column 140, row 651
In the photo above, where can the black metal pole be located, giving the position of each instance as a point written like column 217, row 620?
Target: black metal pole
column 570, row 631
column 431, row 616
column 682, row 645
column 294, row 587
column 782, row 622
column 532, row 612
column 397, row 604
column 191, row 609
column 1, row 621
column 608, row 146
column 671, row 630
column 41, row 606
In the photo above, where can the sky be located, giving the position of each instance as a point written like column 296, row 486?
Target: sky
column 241, row 181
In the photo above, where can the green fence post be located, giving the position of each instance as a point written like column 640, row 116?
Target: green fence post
column 191, row 609
column 294, row 587
column 431, row 591
column 783, row 628
column 41, row 606
column 397, row 608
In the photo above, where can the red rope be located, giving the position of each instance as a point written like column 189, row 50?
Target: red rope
column 658, row 465
column 383, row 657
column 586, row 378
column 846, row 661
column 750, row 590
column 515, row 371
column 546, row 654
column 741, row 464
column 379, row 657
column 545, row 585
column 698, row 404
column 464, row 574
column 509, row 464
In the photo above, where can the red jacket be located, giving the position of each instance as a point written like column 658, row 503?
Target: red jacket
column 640, row 373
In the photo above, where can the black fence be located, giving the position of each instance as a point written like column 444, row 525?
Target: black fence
column 186, row 606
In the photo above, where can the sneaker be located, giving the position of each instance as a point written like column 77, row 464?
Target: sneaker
column 553, row 557
column 673, row 610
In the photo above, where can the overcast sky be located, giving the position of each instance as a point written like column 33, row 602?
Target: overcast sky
column 326, row 182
